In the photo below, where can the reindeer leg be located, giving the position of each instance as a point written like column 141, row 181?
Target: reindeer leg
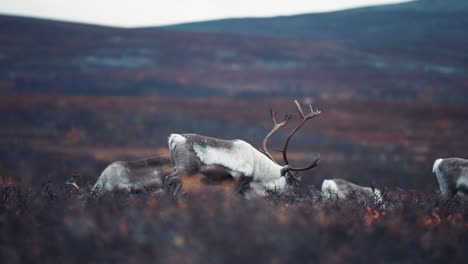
column 243, row 185
column 185, row 163
column 172, row 183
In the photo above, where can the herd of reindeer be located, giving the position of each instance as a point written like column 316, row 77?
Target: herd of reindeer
column 246, row 170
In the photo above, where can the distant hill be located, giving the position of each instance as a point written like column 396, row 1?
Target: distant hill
column 409, row 52
column 47, row 56
column 413, row 29
column 408, row 20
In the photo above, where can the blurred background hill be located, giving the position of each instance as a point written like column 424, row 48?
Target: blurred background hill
column 411, row 20
column 391, row 81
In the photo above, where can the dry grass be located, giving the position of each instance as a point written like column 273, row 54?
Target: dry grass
column 55, row 224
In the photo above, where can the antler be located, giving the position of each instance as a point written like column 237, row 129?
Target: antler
column 305, row 118
column 275, row 128
column 72, row 181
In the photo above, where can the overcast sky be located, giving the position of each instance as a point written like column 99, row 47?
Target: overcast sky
column 130, row 13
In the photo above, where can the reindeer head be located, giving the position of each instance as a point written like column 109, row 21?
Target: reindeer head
column 288, row 171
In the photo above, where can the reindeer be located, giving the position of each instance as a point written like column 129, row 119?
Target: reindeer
column 342, row 189
column 133, row 176
column 452, row 175
column 255, row 170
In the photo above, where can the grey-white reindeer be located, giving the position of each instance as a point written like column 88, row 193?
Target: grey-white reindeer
column 131, row 176
column 342, row 189
column 452, row 175
column 256, row 171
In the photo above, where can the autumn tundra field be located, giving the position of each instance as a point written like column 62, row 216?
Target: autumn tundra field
column 391, row 83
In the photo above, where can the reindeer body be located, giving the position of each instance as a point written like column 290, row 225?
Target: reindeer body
column 452, row 175
column 217, row 160
column 132, row 175
column 191, row 154
column 257, row 171
column 342, row 189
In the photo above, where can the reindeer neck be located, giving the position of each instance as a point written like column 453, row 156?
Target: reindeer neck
column 265, row 169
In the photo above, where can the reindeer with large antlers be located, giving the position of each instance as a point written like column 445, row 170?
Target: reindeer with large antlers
column 191, row 154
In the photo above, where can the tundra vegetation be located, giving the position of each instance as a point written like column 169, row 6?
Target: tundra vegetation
column 45, row 142
column 59, row 223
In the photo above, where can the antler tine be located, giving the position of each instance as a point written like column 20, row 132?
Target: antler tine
column 286, row 119
column 72, row 181
column 273, row 116
column 308, row 116
column 299, row 108
column 305, row 118
column 275, row 122
column 275, row 128
column 313, row 165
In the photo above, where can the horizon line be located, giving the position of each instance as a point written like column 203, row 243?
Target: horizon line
column 210, row 19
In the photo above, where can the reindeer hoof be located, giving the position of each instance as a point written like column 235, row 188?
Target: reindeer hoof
column 175, row 189
column 172, row 185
